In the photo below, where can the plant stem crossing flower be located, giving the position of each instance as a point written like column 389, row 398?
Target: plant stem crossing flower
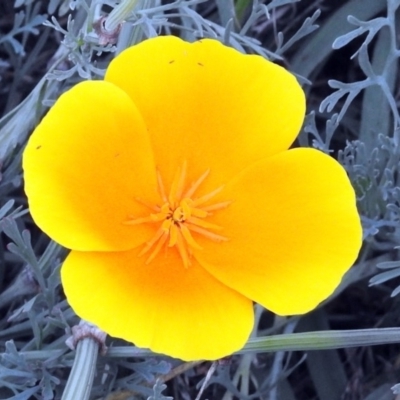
column 172, row 184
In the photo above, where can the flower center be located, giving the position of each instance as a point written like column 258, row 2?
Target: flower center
column 180, row 215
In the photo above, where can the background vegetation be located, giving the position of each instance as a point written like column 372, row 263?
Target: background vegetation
column 346, row 54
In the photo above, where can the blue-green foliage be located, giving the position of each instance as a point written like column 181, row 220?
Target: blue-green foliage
column 356, row 120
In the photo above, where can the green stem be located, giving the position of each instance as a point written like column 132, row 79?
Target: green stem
column 319, row 340
column 80, row 380
column 322, row 340
column 119, row 14
column 241, row 7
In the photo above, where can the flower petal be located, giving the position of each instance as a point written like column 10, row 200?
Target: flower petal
column 178, row 311
column 294, row 231
column 203, row 99
column 85, row 164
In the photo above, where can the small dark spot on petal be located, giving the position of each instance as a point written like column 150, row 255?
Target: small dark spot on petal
column 116, row 155
column 38, row 147
column 171, row 62
column 201, row 65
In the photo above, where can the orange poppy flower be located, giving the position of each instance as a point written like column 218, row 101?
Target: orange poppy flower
column 171, row 182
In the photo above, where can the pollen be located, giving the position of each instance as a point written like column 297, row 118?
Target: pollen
column 181, row 217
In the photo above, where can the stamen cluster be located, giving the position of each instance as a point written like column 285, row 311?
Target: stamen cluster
column 179, row 216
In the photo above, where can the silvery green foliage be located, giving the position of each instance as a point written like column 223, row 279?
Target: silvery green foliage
column 26, row 23
column 396, row 389
column 158, row 388
column 43, row 272
column 42, row 316
column 142, row 375
column 392, row 270
column 135, row 376
column 372, row 160
column 13, row 128
column 78, row 53
column 379, row 73
column 374, row 175
column 27, row 379
column 319, row 141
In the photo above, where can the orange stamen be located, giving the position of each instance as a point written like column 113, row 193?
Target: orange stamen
column 194, row 186
column 180, row 216
column 207, row 234
column 207, row 197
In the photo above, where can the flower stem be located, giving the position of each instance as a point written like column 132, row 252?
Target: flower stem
column 119, row 14
column 322, row 340
column 80, row 380
column 318, row 340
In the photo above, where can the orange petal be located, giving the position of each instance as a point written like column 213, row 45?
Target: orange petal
column 294, row 231
column 85, row 164
column 182, row 312
column 210, row 105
